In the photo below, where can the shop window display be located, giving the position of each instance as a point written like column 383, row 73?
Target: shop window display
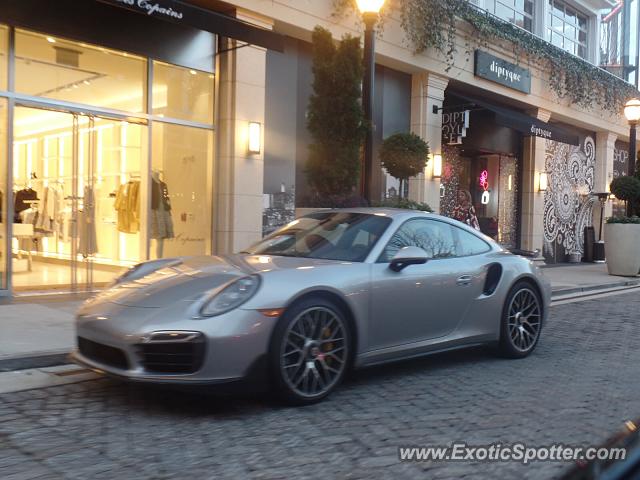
column 481, row 190
column 180, row 216
column 90, row 195
column 68, row 170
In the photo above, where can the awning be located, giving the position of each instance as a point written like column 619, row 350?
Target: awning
column 527, row 125
column 182, row 13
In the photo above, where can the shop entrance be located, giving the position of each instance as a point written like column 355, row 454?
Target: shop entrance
column 77, row 181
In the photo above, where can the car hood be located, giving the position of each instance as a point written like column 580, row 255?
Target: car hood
column 188, row 280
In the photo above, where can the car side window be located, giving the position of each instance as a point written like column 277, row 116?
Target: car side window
column 434, row 237
column 469, row 244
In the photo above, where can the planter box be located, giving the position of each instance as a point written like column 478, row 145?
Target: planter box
column 623, row 249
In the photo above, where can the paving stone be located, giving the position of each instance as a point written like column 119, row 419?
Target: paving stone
column 574, row 389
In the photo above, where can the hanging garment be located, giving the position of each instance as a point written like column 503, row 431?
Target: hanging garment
column 50, row 208
column 21, row 201
column 87, row 243
column 161, row 221
column 127, row 205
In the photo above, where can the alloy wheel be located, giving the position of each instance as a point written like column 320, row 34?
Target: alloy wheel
column 524, row 319
column 314, row 352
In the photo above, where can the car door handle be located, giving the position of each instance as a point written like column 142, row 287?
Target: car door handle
column 463, row 280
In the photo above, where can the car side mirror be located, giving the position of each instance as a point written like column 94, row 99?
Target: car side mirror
column 408, row 256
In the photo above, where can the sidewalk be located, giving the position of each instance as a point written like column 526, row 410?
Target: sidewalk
column 38, row 331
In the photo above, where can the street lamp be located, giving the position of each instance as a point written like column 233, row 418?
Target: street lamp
column 632, row 112
column 370, row 10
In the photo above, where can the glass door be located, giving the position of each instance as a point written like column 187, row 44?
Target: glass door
column 77, row 187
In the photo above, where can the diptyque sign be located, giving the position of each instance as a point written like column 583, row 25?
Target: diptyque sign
column 454, row 127
column 500, row 71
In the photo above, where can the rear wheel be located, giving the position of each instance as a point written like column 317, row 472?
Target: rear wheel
column 521, row 321
column 310, row 351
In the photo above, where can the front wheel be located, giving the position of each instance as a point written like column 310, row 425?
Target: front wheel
column 521, row 321
column 310, row 351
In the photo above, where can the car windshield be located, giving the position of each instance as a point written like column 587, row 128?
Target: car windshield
column 328, row 235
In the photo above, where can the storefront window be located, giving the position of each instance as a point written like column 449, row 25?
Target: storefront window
column 181, row 186
column 51, row 67
column 5, row 196
column 182, row 93
column 4, row 57
column 76, row 182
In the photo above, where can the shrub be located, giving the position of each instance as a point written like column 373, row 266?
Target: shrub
column 627, row 188
column 404, row 155
column 634, row 220
column 404, row 203
column 335, row 118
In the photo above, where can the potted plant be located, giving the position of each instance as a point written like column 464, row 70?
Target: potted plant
column 404, row 155
column 622, row 233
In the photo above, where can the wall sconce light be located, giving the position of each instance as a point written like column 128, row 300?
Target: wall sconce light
column 437, row 165
column 510, row 182
column 255, row 138
column 543, row 182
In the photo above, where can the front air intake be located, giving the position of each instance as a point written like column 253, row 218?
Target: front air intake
column 172, row 352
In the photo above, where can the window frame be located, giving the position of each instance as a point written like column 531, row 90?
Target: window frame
column 456, row 238
column 579, row 14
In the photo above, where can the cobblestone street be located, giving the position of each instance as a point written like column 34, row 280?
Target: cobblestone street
column 578, row 388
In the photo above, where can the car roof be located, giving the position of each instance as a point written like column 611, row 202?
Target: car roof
column 388, row 211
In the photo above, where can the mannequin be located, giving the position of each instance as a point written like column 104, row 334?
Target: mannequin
column 161, row 222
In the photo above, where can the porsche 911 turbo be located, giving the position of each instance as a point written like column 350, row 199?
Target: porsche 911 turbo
column 330, row 291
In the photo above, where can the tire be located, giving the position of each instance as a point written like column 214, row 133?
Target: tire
column 521, row 322
column 310, row 351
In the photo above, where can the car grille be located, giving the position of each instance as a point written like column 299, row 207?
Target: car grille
column 172, row 352
column 114, row 357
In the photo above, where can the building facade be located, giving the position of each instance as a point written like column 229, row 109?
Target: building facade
column 138, row 129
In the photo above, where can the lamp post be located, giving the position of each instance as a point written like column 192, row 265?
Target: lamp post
column 632, row 112
column 370, row 10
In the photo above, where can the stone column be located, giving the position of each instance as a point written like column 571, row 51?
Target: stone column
column 532, row 215
column 238, row 199
column 427, row 92
column 605, row 146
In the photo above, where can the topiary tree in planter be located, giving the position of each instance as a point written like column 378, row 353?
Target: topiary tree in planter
column 335, row 118
column 404, row 155
column 627, row 189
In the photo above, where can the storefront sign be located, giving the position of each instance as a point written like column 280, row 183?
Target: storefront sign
column 454, row 127
column 186, row 14
column 152, row 8
column 484, row 183
column 500, row 71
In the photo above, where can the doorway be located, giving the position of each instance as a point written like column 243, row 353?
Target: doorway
column 77, row 181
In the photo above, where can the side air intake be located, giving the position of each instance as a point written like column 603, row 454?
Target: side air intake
column 494, row 273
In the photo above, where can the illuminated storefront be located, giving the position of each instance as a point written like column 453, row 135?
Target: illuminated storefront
column 107, row 153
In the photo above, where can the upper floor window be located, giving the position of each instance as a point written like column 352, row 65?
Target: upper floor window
column 519, row 12
column 567, row 28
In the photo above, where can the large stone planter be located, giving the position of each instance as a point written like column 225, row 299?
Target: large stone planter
column 623, row 248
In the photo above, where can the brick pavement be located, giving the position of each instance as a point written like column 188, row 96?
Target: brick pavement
column 579, row 386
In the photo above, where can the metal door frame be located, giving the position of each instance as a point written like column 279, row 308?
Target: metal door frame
column 89, row 177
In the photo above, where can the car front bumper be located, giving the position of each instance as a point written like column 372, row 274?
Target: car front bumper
column 136, row 344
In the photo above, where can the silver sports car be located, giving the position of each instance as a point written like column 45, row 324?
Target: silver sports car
column 330, row 291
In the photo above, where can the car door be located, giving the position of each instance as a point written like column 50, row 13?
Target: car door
column 426, row 301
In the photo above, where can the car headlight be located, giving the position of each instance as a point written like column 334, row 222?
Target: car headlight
column 231, row 296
